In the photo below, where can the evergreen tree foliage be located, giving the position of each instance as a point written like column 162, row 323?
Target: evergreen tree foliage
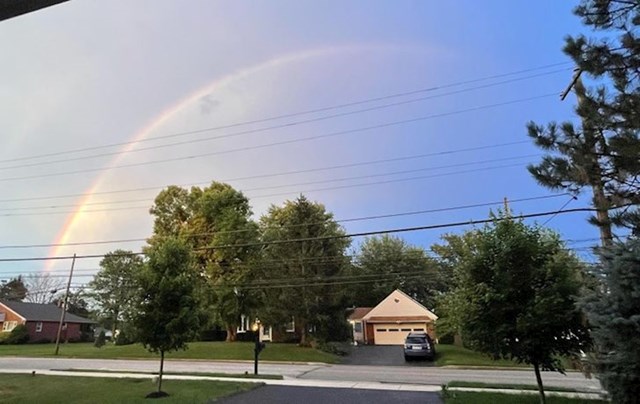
column 613, row 311
column 602, row 152
column 311, row 255
column 15, row 290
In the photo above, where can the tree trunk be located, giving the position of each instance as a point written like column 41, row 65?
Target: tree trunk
column 602, row 215
column 114, row 326
column 303, row 333
column 231, row 333
column 161, row 370
column 536, row 368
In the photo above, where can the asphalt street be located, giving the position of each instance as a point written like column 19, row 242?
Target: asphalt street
column 356, row 373
column 315, row 395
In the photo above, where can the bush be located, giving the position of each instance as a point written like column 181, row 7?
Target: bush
column 446, row 339
column 100, row 340
column 124, row 338
column 19, row 335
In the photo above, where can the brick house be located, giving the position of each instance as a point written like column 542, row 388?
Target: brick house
column 42, row 321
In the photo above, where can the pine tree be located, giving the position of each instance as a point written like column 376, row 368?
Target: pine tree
column 601, row 153
column 613, row 311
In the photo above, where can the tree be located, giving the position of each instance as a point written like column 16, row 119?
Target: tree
column 42, row 288
column 114, row 286
column 100, row 340
column 166, row 312
column 15, row 290
column 387, row 263
column 612, row 311
column 453, row 256
column 600, row 154
column 522, row 287
column 303, row 245
column 206, row 217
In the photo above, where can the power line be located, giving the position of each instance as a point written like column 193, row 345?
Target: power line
column 434, row 154
column 347, row 220
column 573, row 198
column 470, row 163
column 283, row 142
column 290, row 115
column 322, row 238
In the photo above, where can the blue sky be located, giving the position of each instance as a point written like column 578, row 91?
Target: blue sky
column 85, row 74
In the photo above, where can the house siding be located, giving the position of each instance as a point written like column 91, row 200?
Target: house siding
column 50, row 332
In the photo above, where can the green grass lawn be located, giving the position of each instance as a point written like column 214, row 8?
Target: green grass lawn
column 511, row 386
column 76, row 390
column 197, row 350
column 459, row 397
column 451, row 355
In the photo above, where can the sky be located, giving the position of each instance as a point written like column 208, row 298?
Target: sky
column 102, row 104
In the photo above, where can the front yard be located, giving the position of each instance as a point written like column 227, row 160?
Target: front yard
column 197, row 350
column 77, row 390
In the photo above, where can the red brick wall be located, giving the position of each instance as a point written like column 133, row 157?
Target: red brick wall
column 50, row 331
column 9, row 316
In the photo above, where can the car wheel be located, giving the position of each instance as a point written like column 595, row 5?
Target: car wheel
column 407, row 358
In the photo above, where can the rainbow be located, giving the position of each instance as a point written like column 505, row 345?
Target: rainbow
column 73, row 219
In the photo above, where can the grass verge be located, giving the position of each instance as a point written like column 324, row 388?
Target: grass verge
column 197, row 350
column 452, row 355
column 464, row 397
column 80, row 390
column 513, row 386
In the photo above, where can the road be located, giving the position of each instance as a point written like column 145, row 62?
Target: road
column 314, row 395
column 385, row 374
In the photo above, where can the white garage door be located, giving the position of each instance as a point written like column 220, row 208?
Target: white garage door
column 394, row 334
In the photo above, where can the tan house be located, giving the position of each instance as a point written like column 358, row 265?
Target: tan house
column 391, row 320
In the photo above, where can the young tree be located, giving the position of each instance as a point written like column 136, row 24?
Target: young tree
column 303, row 245
column 522, row 287
column 15, row 290
column 388, row 263
column 166, row 313
column 114, row 286
column 612, row 311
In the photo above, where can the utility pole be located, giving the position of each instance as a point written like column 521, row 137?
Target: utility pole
column 64, row 305
column 597, row 184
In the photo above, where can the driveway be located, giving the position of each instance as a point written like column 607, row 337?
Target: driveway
column 324, row 395
column 381, row 355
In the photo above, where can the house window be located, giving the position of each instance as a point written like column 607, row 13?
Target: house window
column 291, row 326
column 39, row 326
column 2, row 316
column 357, row 326
column 9, row 325
column 244, row 324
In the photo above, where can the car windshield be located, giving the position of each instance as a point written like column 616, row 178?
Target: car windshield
column 416, row 340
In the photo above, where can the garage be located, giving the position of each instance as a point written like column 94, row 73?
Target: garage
column 392, row 320
column 394, row 334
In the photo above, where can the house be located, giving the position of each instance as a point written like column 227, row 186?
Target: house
column 42, row 321
column 288, row 332
column 391, row 320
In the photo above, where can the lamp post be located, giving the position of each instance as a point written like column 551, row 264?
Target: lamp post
column 259, row 346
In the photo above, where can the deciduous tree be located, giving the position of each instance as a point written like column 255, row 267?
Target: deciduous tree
column 15, row 289
column 166, row 313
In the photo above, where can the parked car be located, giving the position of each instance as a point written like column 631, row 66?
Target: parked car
column 418, row 345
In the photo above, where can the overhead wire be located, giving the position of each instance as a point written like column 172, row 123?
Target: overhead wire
column 290, row 115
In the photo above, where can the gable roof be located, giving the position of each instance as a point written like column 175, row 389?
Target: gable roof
column 358, row 313
column 399, row 304
column 42, row 312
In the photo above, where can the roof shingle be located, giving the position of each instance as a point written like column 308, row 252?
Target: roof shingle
column 43, row 312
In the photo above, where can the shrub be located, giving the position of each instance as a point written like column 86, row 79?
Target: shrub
column 446, row 339
column 19, row 335
column 100, row 340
